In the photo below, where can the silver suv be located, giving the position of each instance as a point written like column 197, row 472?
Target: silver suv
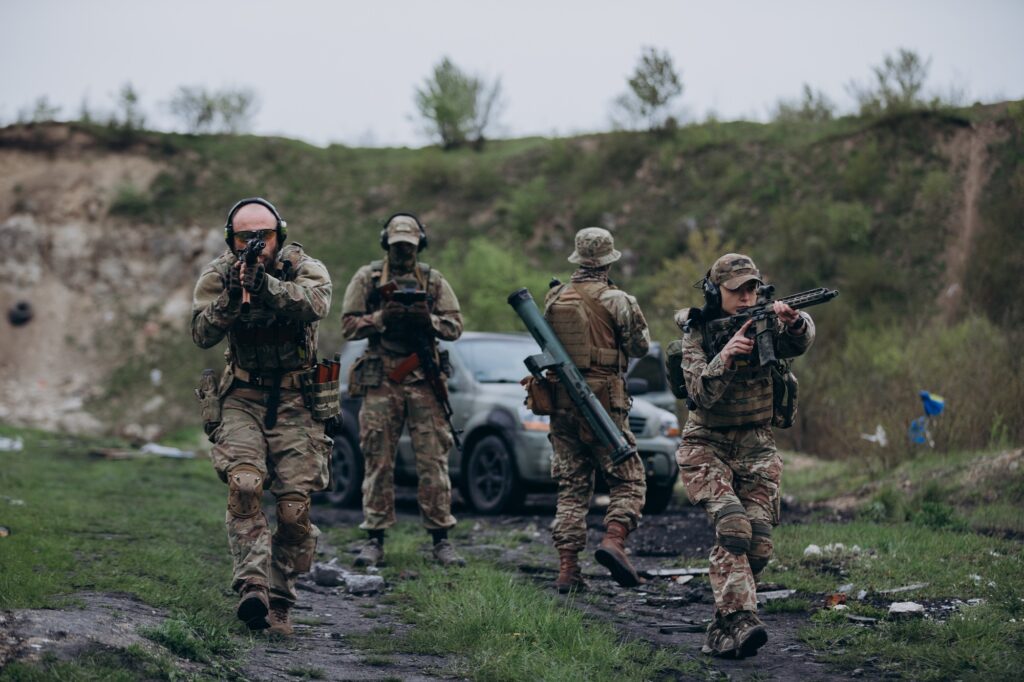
column 505, row 453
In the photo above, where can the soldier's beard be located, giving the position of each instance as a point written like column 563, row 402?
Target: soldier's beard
column 402, row 260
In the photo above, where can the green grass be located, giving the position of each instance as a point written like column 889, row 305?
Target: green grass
column 95, row 665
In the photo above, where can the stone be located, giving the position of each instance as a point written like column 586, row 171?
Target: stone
column 328, row 574
column 906, row 609
column 363, row 584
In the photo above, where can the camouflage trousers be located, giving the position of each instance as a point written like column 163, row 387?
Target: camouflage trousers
column 577, row 455
column 385, row 410
column 292, row 460
column 734, row 474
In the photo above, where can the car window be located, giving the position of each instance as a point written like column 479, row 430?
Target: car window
column 350, row 352
column 652, row 370
column 496, row 360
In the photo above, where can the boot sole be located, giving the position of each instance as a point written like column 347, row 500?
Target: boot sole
column 757, row 638
column 254, row 613
column 621, row 573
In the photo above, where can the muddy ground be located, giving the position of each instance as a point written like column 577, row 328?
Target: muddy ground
column 327, row 617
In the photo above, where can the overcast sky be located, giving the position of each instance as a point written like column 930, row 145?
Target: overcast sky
column 346, row 71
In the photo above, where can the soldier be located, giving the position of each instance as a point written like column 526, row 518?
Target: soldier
column 600, row 327
column 263, row 434
column 727, row 456
column 395, row 387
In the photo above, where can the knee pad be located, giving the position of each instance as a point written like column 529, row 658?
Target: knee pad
column 292, row 518
column 760, row 545
column 245, row 487
column 733, row 529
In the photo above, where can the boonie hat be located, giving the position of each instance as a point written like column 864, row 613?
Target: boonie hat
column 403, row 228
column 595, row 247
column 733, row 270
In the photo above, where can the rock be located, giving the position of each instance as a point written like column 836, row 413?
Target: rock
column 774, row 594
column 812, row 550
column 906, row 609
column 363, row 584
column 329, row 574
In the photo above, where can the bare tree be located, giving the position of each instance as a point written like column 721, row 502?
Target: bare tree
column 40, row 110
column 456, row 106
column 814, row 106
column 228, row 110
column 653, row 85
column 898, row 84
column 127, row 111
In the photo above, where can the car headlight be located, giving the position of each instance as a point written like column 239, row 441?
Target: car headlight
column 534, row 422
column 669, row 426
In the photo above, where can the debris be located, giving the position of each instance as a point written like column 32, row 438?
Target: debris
column 20, row 314
column 877, row 437
column 861, row 620
column 905, row 588
column 845, row 589
column 861, row 595
column 155, row 376
column 835, row 600
column 669, row 572
column 683, row 627
column 763, row 597
column 812, row 550
column 166, row 451
column 114, row 453
column 329, row 574
column 840, row 607
column 14, row 502
column 681, row 579
column 906, row 609
column 363, row 584
column 11, row 444
column 4, row 531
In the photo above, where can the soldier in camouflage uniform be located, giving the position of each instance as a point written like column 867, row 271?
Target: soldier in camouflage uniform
column 600, row 327
column 263, row 434
column 394, row 397
column 727, row 458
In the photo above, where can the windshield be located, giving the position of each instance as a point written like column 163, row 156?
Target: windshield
column 495, row 361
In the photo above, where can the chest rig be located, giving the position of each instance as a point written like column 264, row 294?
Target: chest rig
column 585, row 327
column 417, row 280
column 749, row 399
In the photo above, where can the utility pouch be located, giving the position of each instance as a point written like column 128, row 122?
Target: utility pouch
column 445, row 363
column 540, row 397
column 323, row 399
column 366, row 372
column 674, row 369
column 785, row 388
column 618, row 397
column 208, row 393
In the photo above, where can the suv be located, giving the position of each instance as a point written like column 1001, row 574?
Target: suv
column 646, row 376
column 505, row 452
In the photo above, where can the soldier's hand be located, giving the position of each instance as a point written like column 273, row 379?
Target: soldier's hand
column 786, row 315
column 235, row 282
column 738, row 345
column 391, row 312
column 254, row 278
column 418, row 314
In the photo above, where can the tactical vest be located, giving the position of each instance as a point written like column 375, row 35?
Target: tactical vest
column 748, row 401
column 585, row 327
column 392, row 342
column 262, row 341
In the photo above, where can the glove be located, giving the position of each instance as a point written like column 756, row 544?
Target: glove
column 255, row 279
column 406, row 317
column 392, row 312
column 235, row 284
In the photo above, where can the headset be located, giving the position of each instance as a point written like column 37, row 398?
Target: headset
column 423, row 231
column 712, row 294
column 229, row 227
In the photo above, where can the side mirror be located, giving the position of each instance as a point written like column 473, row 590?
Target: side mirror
column 453, row 385
column 636, row 386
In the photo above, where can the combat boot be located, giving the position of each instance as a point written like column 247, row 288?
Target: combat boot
column 748, row 632
column 280, row 624
column 612, row 555
column 570, row 577
column 253, row 607
column 445, row 554
column 371, row 554
column 719, row 640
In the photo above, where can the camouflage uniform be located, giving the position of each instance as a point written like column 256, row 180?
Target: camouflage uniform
column 577, row 452
column 388, row 406
column 291, row 458
column 727, row 457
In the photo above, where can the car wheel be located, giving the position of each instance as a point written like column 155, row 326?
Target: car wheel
column 658, row 498
column 346, row 474
column 490, row 482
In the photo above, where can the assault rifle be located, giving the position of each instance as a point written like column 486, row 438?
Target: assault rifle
column 249, row 255
column 555, row 358
column 425, row 352
column 763, row 327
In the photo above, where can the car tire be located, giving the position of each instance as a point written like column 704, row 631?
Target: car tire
column 658, row 498
column 346, row 474
column 490, row 483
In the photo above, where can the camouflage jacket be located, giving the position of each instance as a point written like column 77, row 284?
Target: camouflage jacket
column 631, row 326
column 280, row 330
column 361, row 316
column 708, row 380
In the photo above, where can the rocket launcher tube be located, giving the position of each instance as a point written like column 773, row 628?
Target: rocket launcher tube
column 556, row 359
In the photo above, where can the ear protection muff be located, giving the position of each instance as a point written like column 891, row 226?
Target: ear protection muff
column 712, row 294
column 229, row 227
column 423, row 231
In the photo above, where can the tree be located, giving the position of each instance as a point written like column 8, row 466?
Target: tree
column 814, row 107
column 127, row 112
column 898, row 85
column 41, row 110
column 202, row 111
column 653, row 85
column 458, row 107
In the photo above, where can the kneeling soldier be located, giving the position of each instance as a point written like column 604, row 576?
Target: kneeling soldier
column 264, row 434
